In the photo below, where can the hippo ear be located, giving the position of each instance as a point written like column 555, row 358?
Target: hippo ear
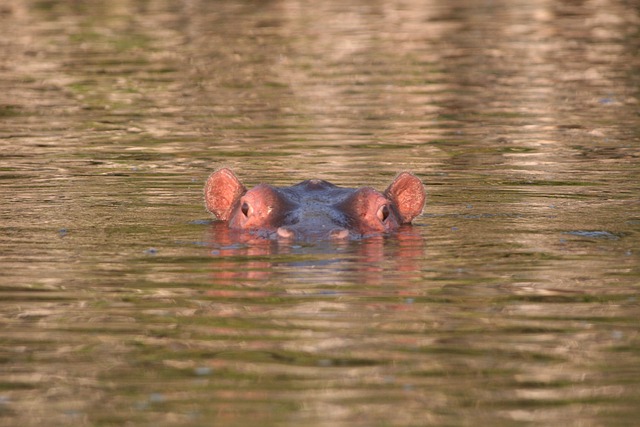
column 221, row 192
column 407, row 194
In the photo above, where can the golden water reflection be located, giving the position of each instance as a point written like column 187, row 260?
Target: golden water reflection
column 512, row 300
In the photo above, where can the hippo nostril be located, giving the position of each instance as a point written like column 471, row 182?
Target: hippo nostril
column 285, row 233
column 339, row 233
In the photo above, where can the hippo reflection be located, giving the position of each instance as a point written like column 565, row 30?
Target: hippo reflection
column 313, row 209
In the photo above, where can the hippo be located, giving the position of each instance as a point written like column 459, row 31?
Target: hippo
column 313, row 209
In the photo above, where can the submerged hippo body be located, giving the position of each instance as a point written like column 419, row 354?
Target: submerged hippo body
column 313, row 209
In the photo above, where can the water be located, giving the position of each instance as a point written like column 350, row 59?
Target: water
column 512, row 301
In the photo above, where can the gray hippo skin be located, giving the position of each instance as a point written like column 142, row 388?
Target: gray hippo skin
column 313, row 209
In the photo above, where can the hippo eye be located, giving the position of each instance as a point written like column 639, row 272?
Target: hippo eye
column 245, row 209
column 383, row 213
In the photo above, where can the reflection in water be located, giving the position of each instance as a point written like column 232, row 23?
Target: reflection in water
column 512, row 300
column 242, row 256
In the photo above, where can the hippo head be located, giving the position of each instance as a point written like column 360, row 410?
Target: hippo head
column 313, row 209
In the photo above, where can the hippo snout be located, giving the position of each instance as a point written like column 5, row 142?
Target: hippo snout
column 290, row 233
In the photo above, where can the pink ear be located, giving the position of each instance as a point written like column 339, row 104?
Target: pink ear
column 407, row 194
column 221, row 192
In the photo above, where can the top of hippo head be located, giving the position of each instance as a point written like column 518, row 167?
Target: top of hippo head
column 313, row 209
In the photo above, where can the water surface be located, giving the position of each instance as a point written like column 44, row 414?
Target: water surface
column 513, row 300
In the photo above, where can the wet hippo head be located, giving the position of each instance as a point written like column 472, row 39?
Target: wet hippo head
column 313, row 209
